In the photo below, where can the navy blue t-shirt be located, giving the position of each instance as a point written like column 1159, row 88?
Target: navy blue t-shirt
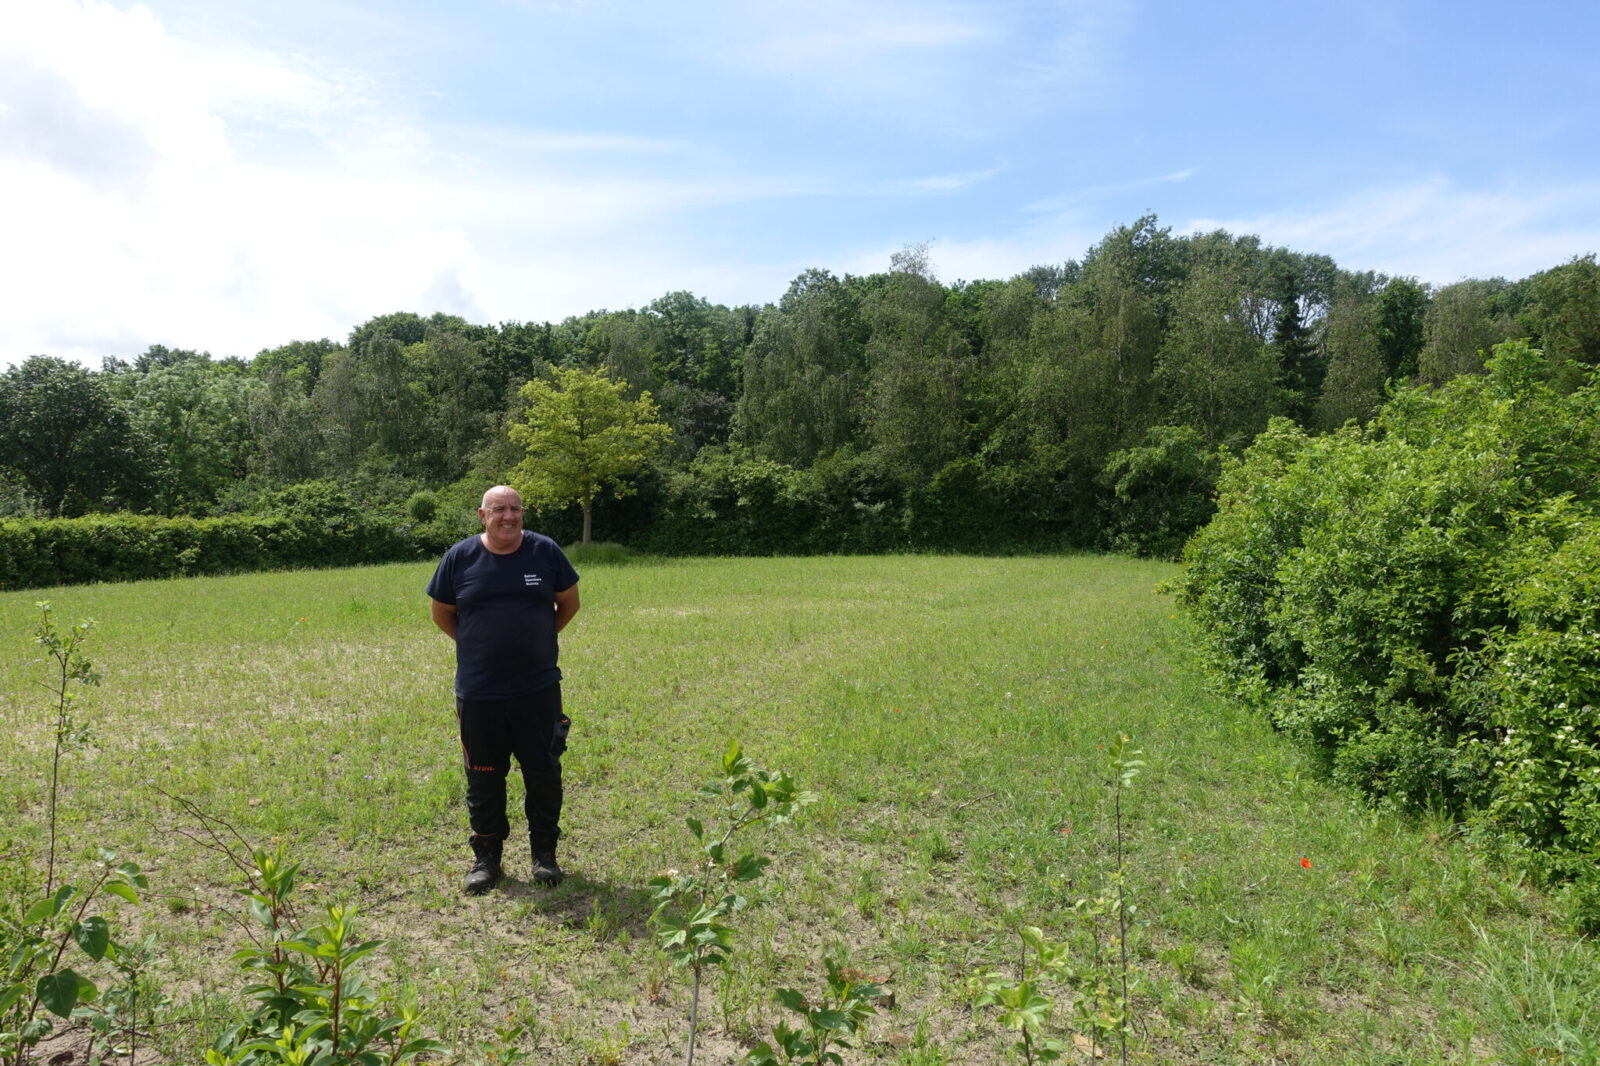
column 505, row 614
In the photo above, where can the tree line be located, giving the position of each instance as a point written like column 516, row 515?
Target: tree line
column 1081, row 405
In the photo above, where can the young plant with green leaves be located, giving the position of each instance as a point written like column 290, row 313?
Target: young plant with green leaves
column 1021, row 1000
column 824, row 1025
column 1126, row 764
column 115, row 1017
column 1103, row 1004
column 37, row 940
column 692, row 907
column 1102, row 982
column 70, row 671
column 313, row 1006
column 36, row 950
column 316, row 1008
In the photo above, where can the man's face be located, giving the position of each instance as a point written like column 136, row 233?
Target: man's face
column 501, row 514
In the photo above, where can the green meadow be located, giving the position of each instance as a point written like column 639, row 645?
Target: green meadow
column 951, row 713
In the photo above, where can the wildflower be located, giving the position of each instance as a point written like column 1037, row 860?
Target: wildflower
column 1306, row 863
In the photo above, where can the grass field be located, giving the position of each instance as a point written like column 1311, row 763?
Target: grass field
column 952, row 714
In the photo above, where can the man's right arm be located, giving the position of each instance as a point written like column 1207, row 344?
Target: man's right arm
column 444, row 616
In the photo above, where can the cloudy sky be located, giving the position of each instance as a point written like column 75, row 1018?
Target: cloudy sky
column 230, row 175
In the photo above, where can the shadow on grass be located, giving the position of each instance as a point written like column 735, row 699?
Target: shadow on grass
column 599, row 907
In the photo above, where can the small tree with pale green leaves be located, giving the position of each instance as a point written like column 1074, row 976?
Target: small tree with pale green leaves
column 583, row 437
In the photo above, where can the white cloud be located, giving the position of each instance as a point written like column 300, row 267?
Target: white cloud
column 159, row 189
column 1436, row 229
column 958, row 66
column 193, row 234
column 1076, row 199
column 158, row 192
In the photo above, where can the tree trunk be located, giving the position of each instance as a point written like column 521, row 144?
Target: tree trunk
column 587, row 511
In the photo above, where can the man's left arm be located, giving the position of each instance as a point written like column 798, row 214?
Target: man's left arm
column 566, row 606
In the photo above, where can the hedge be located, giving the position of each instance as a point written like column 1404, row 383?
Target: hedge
column 36, row 553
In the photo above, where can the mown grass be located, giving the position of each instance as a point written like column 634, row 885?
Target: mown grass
column 951, row 712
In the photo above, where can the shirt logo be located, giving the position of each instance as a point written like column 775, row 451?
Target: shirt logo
column 530, row 580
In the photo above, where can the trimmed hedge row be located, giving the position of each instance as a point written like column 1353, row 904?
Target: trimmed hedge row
column 721, row 504
column 69, row 551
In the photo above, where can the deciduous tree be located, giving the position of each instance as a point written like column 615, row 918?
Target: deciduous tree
column 66, row 440
column 1402, row 305
column 583, row 437
column 1461, row 326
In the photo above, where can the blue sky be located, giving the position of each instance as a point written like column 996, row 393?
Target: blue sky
column 233, row 174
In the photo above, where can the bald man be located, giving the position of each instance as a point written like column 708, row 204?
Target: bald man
column 502, row 595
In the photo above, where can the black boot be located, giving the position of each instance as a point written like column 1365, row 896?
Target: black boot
column 486, row 871
column 545, row 870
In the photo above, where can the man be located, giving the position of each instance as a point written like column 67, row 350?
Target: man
column 502, row 596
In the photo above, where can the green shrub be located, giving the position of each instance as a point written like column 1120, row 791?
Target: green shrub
column 858, row 505
column 1160, row 492
column 726, row 504
column 69, row 551
column 731, row 503
column 1417, row 600
column 422, row 506
column 1266, row 500
column 953, row 510
column 1542, row 673
column 602, row 553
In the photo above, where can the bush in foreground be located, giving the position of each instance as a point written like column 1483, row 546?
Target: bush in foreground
column 1416, row 600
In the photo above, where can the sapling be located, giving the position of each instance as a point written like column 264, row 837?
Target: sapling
column 115, row 1016
column 312, row 1004
column 692, row 907
column 35, row 948
column 1021, row 1001
column 1102, row 985
column 70, row 669
column 830, row 1023
column 1105, row 1010
column 36, row 941
column 1125, row 761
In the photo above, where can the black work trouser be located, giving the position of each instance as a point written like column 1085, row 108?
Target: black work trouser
column 531, row 729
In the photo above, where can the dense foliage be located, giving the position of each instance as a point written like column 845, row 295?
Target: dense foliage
column 1418, row 600
column 38, row 552
column 583, row 437
column 1080, row 405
